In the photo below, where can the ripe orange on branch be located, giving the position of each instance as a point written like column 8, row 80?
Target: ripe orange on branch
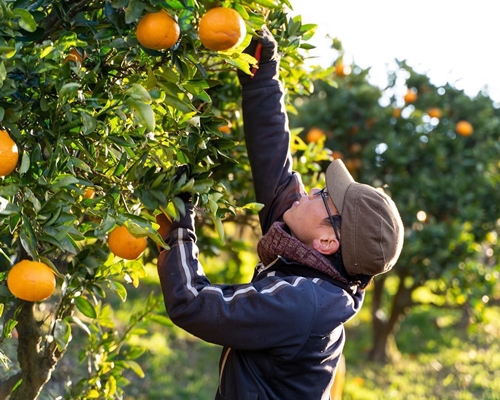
column 76, row 56
column 221, row 29
column 464, row 128
column 31, row 281
column 123, row 244
column 342, row 70
column 158, row 31
column 434, row 112
column 165, row 224
column 9, row 154
column 411, row 96
column 314, row 135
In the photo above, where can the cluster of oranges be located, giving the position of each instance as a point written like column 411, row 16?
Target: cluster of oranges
column 219, row 29
column 462, row 127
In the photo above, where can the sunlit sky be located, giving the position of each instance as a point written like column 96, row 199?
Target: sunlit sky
column 453, row 41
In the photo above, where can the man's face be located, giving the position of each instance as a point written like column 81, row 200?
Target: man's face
column 305, row 217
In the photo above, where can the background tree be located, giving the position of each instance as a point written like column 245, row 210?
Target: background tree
column 411, row 138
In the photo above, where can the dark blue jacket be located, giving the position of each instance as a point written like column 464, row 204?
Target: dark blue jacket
column 282, row 333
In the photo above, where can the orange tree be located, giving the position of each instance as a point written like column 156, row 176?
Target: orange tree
column 444, row 175
column 102, row 125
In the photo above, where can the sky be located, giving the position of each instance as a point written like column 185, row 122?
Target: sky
column 453, row 41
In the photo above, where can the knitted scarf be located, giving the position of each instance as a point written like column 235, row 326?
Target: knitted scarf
column 278, row 242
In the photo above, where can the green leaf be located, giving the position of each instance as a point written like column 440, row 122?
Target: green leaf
column 64, row 181
column 133, row 11
column 7, row 51
column 143, row 112
column 268, row 3
column 28, row 238
column 179, row 104
column 139, row 93
column 85, row 307
column 135, row 367
column 69, row 90
column 25, row 163
column 161, row 319
column 7, row 208
column 27, row 22
column 62, row 333
column 253, row 206
column 89, row 123
column 219, row 228
column 3, row 75
column 9, row 327
column 119, row 289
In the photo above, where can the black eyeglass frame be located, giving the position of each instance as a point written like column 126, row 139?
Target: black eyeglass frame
column 324, row 195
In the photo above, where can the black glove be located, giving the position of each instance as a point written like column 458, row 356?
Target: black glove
column 263, row 47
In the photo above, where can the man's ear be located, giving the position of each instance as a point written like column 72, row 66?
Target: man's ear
column 326, row 244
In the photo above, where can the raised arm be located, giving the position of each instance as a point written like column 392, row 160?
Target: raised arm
column 267, row 135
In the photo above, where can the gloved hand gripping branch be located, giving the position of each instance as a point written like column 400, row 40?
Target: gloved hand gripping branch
column 263, row 48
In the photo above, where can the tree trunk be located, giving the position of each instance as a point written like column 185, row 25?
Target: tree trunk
column 36, row 361
column 384, row 328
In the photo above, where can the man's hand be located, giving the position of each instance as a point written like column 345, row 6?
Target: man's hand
column 263, row 47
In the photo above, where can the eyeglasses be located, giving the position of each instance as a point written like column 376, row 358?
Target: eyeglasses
column 334, row 221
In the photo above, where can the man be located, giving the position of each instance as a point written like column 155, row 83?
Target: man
column 283, row 333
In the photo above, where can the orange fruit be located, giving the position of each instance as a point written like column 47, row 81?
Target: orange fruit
column 411, row 96
column 314, row 135
column 353, row 164
column 158, row 31
column 434, row 112
column 355, row 148
column 75, row 56
column 165, row 224
column 464, row 128
column 9, row 155
column 370, row 122
column 123, row 244
column 354, row 129
column 396, row 113
column 337, row 154
column 89, row 193
column 221, row 29
column 225, row 129
column 31, row 281
column 342, row 70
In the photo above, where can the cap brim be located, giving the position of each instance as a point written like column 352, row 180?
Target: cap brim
column 338, row 180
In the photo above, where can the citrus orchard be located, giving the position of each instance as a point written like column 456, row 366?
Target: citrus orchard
column 464, row 128
column 9, row 154
column 158, row 31
column 221, row 29
column 123, row 244
column 31, row 281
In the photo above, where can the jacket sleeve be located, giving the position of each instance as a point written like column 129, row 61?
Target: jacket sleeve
column 269, row 313
column 267, row 139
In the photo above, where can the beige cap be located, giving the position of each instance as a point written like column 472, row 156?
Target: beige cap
column 371, row 235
